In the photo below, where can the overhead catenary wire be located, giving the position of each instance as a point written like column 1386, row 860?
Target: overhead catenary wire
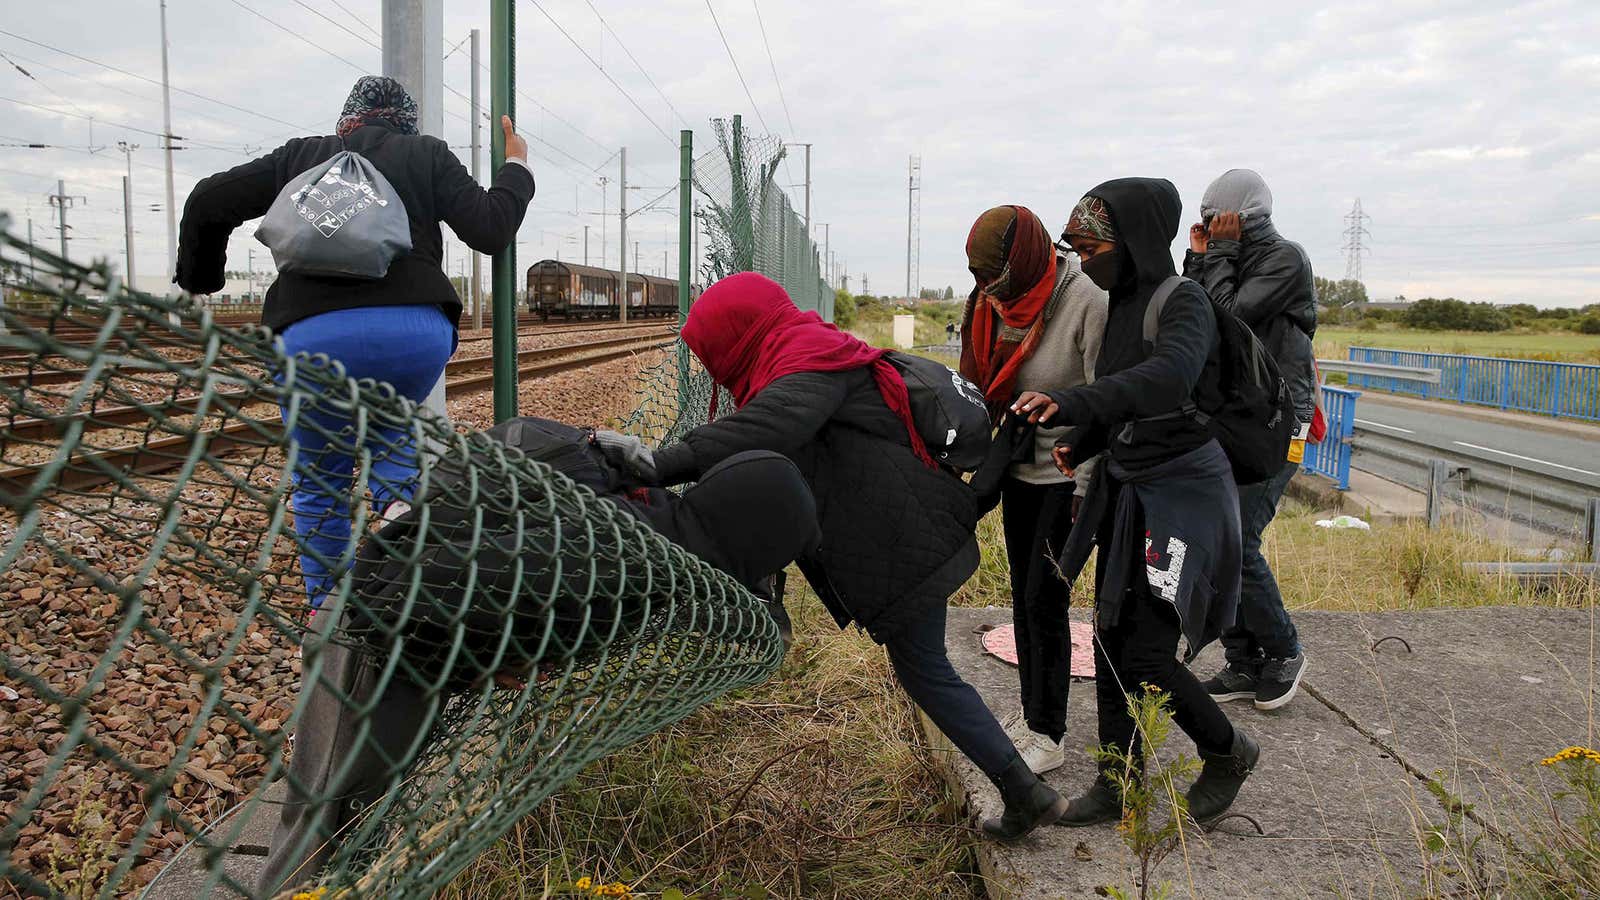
column 155, row 81
column 754, row 108
column 335, row 23
column 134, row 128
column 773, row 63
column 364, row 23
column 148, row 98
column 635, row 61
column 601, row 69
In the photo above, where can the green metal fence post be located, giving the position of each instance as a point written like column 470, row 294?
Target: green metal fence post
column 502, row 85
column 685, row 252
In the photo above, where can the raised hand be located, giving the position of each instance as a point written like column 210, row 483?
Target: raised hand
column 516, row 147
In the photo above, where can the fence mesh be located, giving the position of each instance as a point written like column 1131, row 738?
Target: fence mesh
column 155, row 633
column 154, row 616
column 751, row 223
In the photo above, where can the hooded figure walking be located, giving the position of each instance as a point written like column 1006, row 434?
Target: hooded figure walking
column 1162, row 507
column 1249, row 269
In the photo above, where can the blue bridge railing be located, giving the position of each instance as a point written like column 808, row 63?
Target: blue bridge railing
column 1564, row 390
column 1331, row 458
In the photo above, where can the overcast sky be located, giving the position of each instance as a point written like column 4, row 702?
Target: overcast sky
column 1470, row 130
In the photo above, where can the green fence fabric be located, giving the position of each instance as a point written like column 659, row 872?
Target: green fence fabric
column 752, row 224
column 153, row 624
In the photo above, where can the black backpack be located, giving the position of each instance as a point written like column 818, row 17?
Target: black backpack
column 1255, row 420
column 948, row 411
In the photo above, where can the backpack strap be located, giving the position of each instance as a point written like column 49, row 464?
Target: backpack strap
column 1158, row 302
column 1152, row 320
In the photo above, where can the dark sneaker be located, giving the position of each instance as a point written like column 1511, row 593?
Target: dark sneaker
column 1232, row 684
column 1280, row 679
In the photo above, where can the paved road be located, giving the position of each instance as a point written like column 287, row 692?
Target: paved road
column 1547, row 452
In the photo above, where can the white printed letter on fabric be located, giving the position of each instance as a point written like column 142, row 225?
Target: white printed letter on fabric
column 1165, row 581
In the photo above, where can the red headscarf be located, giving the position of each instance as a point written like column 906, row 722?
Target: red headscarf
column 748, row 334
column 1001, row 328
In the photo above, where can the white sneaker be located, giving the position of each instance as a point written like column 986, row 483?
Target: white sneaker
column 1015, row 726
column 1040, row 753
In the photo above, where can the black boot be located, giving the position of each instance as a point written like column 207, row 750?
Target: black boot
column 1221, row 777
column 1101, row 803
column 1030, row 803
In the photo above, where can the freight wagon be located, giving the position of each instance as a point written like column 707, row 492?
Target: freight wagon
column 563, row 290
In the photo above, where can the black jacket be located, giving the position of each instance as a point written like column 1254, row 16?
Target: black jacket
column 1133, row 408
column 1265, row 280
column 897, row 536
column 432, row 183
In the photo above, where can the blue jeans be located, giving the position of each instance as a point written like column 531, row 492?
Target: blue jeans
column 1263, row 627
column 406, row 346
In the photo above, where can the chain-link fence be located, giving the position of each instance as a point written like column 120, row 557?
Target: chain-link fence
column 154, row 635
column 500, row 628
column 752, row 225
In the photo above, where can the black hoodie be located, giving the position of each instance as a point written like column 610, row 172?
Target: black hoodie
column 1132, row 384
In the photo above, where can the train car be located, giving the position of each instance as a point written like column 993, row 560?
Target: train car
column 563, row 290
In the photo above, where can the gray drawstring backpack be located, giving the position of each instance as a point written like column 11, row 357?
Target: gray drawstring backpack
column 339, row 217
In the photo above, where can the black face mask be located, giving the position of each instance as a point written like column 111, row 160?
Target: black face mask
column 1104, row 269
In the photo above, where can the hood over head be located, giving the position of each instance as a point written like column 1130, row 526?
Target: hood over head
column 1144, row 213
column 755, row 514
column 1241, row 191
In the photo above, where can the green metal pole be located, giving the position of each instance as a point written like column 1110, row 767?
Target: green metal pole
column 686, row 227
column 744, row 254
column 502, row 86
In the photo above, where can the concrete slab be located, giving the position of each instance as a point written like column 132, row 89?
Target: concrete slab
column 1338, row 791
column 189, row 873
column 1482, row 695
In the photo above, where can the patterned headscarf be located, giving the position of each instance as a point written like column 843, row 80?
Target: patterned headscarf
column 1091, row 218
column 378, row 97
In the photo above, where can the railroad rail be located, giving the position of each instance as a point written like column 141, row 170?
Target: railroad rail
column 99, row 466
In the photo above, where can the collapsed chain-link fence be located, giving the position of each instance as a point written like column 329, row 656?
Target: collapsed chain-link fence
column 154, row 627
column 154, row 632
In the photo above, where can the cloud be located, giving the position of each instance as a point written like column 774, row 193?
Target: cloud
column 1446, row 117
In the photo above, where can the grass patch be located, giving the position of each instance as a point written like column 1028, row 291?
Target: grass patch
column 814, row 784
column 1553, row 346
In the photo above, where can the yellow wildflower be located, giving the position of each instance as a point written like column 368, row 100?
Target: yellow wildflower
column 1572, row 753
column 614, row 889
column 313, row 894
column 581, row 884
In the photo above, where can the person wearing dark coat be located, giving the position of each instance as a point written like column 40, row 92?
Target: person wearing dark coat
column 367, row 716
column 897, row 530
column 1162, row 508
column 399, row 329
column 1265, row 280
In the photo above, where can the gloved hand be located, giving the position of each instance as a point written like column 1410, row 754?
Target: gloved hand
column 629, row 454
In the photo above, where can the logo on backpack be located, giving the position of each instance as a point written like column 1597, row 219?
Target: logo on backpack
column 340, row 217
column 327, row 215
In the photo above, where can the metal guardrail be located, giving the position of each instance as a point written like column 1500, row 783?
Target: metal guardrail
column 1550, row 500
column 1420, row 374
column 1331, row 457
column 1563, row 390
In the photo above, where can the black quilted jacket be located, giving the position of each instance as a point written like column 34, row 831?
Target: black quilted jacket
column 897, row 536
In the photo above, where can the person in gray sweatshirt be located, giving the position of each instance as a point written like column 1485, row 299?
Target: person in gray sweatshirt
column 1033, row 322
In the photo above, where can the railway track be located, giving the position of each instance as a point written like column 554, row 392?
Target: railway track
column 82, row 334
column 98, row 466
